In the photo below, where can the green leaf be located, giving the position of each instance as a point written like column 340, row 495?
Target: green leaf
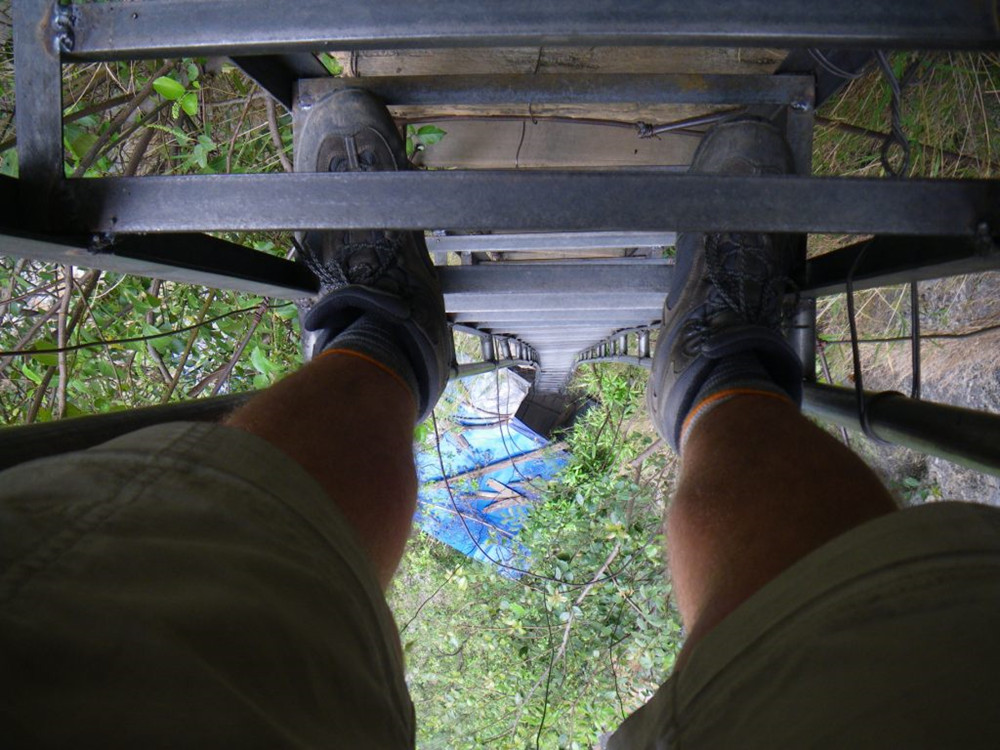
column 430, row 134
column 332, row 65
column 262, row 364
column 168, row 88
column 410, row 148
column 9, row 164
column 45, row 359
column 189, row 103
column 287, row 313
column 31, row 374
column 82, row 144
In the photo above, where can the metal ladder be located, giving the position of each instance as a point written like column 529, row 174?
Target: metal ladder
column 562, row 265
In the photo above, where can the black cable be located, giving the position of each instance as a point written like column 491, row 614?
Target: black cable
column 830, row 67
column 896, row 136
column 859, row 387
column 915, row 340
column 923, row 337
column 136, row 339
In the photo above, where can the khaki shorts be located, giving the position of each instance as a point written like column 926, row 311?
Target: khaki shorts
column 886, row 637
column 189, row 586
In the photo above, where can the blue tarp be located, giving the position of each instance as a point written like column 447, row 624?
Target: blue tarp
column 482, row 514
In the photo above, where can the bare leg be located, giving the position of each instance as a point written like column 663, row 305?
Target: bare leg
column 760, row 487
column 349, row 423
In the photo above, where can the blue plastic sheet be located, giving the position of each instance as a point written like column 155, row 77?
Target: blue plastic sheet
column 480, row 515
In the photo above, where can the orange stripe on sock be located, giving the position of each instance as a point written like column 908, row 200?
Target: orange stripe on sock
column 715, row 398
column 370, row 360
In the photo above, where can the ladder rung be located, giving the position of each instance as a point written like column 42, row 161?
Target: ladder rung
column 561, row 242
column 569, row 88
column 164, row 28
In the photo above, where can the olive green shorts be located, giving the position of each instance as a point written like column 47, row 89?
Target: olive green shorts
column 188, row 585
column 886, row 637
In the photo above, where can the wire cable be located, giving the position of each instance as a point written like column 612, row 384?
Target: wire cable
column 896, row 136
column 135, row 339
column 938, row 336
column 830, row 67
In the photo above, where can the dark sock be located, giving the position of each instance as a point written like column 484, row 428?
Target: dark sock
column 737, row 375
column 375, row 338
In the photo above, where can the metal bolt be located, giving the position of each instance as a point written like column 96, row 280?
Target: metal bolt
column 801, row 105
column 305, row 101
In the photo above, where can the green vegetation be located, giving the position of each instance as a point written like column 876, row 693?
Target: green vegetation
column 561, row 655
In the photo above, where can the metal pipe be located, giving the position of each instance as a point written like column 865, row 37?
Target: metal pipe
column 802, row 337
column 643, row 344
column 489, row 353
column 963, row 436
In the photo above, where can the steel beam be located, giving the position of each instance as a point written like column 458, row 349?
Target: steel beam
column 554, row 242
column 174, row 28
column 899, row 260
column 510, row 200
column 41, row 33
column 278, row 74
column 828, row 83
column 485, row 290
column 963, row 436
column 572, row 88
column 188, row 259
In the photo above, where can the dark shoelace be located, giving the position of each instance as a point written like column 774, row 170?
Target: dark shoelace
column 737, row 264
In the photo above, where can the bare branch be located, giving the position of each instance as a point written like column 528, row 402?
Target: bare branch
column 226, row 371
column 187, row 349
column 87, row 160
column 236, row 131
column 272, row 124
column 61, row 342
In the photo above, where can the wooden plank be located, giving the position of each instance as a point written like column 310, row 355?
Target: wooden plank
column 518, row 145
column 647, row 59
column 652, row 114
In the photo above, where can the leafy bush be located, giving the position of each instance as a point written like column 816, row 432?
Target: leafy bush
column 563, row 654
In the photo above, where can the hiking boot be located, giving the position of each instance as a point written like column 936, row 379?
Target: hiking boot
column 728, row 289
column 386, row 274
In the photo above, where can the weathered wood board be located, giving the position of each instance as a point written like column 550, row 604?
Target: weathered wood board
column 520, row 145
